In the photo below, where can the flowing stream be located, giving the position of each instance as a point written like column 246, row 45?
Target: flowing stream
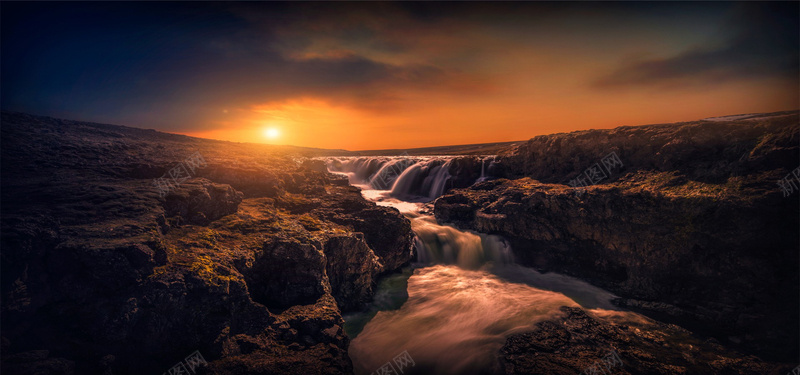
column 453, row 308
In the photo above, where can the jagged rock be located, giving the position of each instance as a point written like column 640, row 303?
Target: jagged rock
column 200, row 202
column 307, row 182
column 143, row 170
column 36, row 362
column 386, row 231
column 463, row 171
column 352, row 269
column 287, row 273
column 720, row 257
column 339, row 180
column 252, row 181
column 575, row 341
column 314, row 165
column 713, row 258
column 232, row 262
column 708, row 151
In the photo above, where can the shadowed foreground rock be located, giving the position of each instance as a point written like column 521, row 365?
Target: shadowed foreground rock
column 250, row 260
column 577, row 341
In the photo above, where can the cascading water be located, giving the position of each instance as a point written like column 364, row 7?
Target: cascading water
column 440, row 244
column 463, row 296
column 484, row 167
column 419, row 178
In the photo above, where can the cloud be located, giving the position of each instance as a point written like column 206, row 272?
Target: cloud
column 205, row 66
column 763, row 43
column 175, row 67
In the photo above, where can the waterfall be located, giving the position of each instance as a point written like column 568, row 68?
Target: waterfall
column 454, row 308
column 358, row 170
column 491, row 167
column 410, row 178
column 407, row 183
column 441, row 244
column 426, row 178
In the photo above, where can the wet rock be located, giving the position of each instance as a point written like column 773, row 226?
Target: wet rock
column 386, row 231
column 232, row 262
column 576, row 341
column 287, row 273
column 339, row 180
column 715, row 253
column 352, row 270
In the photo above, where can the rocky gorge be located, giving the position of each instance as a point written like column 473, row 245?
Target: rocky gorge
column 255, row 255
column 688, row 225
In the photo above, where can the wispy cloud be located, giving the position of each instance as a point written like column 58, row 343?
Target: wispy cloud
column 763, row 42
column 427, row 73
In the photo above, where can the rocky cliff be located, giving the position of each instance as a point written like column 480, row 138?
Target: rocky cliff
column 242, row 252
column 578, row 342
column 686, row 221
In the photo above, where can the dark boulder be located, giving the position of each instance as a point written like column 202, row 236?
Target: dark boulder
column 352, row 270
column 201, row 201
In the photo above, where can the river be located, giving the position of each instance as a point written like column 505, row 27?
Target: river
column 452, row 309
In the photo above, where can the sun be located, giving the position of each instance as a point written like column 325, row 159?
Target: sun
column 272, row 133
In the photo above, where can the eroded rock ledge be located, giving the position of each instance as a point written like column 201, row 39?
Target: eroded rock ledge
column 695, row 230
column 577, row 340
column 251, row 261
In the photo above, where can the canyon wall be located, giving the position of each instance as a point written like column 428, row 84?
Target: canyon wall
column 241, row 253
column 688, row 224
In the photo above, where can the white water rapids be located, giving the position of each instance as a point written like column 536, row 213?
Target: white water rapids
column 452, row 310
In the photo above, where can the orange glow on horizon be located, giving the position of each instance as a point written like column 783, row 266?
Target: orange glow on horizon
column 438, row 120
column 488, row 84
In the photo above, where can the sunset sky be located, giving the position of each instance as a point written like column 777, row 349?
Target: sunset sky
column 396, row 75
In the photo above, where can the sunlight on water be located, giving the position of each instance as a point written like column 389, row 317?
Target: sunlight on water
column 410, row 178
column 466, row 295
column 454, row 321
column 441, row 244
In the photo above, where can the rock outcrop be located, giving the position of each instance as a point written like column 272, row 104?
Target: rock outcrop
column 693, row 228
column 705, row 151
column 249, row 259
column 577, row 342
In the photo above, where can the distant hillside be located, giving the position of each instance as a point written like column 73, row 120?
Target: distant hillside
column 43, row 123
column 473, row 149
column 16, row 119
